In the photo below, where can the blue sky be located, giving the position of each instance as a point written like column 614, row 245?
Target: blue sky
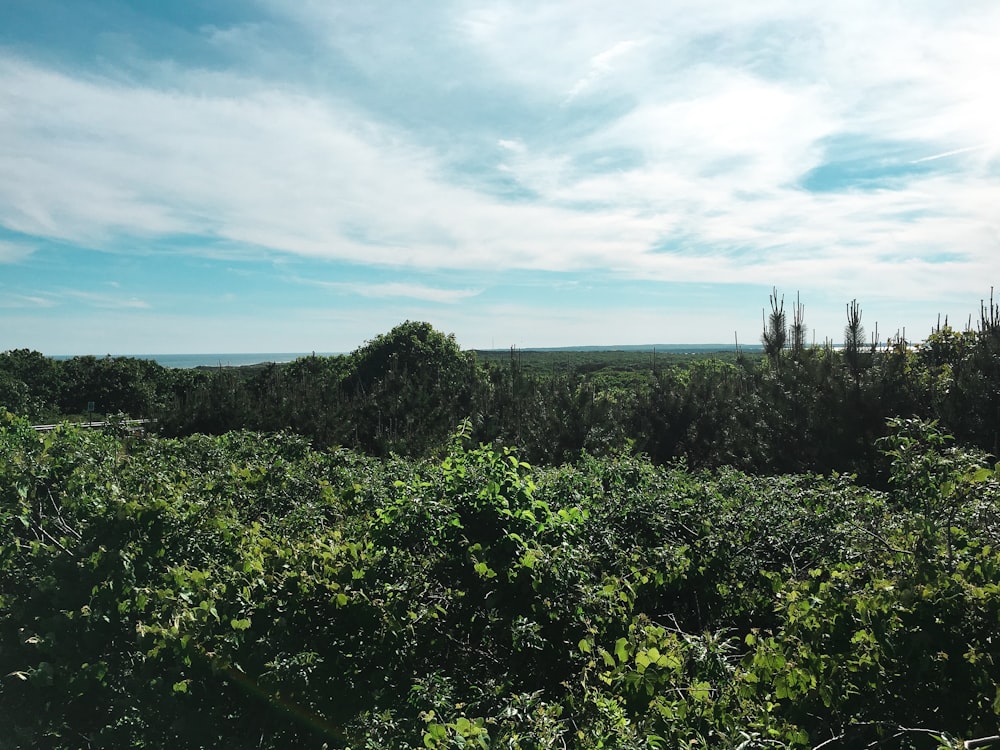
column 223, row 176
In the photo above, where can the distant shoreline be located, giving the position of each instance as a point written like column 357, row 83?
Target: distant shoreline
column 246, row 359
column 191, row 361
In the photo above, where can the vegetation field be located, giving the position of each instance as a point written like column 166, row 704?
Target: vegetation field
column 410, row 546
column 248, row 591
column 581, row 361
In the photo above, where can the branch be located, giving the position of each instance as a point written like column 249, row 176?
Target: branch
column 836, row 738
column 905, row 730
column 884, row 542
column 981, row 742
column 61, row 522
column 899, row 732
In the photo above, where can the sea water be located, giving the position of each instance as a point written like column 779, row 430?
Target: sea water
column 185, row 361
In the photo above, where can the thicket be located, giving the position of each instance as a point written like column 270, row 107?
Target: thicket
column 247, row 590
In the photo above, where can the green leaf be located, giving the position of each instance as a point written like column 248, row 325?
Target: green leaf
column 781, row 688
column 434, row 735
column 620, row 650
column 981, row 476
column 641, row 661
column 702, row 691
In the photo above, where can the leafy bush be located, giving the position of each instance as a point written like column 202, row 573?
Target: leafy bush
column 248, row 590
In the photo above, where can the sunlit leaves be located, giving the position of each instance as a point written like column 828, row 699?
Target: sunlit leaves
column 248, row 590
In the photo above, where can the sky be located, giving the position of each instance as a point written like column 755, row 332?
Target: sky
column 276, row 176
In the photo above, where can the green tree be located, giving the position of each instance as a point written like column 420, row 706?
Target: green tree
column 408, row 389
column 798, row 328
column 14, row 395
column 41, row 377
column 114, row 384
column 775, row 329
column 854, row 342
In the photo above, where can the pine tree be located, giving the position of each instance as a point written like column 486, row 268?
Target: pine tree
column 775, row 329
column 798, row 326
column 854, row 340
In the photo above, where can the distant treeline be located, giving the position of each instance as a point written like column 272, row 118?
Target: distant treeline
column 793, row 408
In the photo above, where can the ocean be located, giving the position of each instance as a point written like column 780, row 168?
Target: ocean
column 187, row 361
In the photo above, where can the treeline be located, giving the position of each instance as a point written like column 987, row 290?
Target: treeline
column 799, row 408
column 42, row 389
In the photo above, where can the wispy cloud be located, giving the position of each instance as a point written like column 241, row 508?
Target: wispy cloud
column 395, row 289
column 12, row 252
column 18, row 301
column 601, row 65
column 953, row 152
column 105, row 301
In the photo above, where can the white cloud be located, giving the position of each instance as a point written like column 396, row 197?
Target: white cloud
column 718, row 109
column 511, row 144
column 105, row 301
column 12, row 252
column 601, row 65
column 953, row 152
column 15, row 301
column 395, row 289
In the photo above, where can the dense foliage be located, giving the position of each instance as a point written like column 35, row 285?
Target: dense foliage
column 785, row 551
column 247, row 590
column 796, row 409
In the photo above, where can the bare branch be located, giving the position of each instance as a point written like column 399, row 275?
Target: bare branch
column 982, row 741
